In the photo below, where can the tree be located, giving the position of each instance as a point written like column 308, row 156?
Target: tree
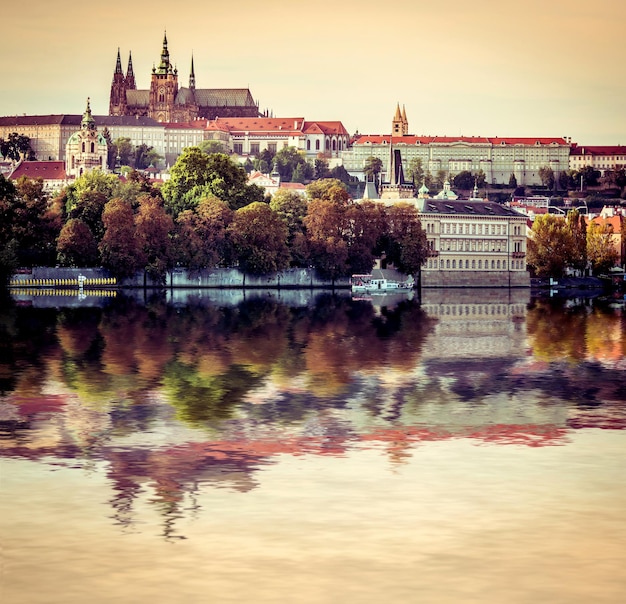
column 201, row 234
column 290, row 159
column 578, row 230
column 8, row 243
column 89, row 208
column 586, row 176
column 340, row 173
column 92, row 180
column 407, row 243
column 124, row 150
column 365, row 224
column 37, row 221
column 546, row 174
column 264, row 161
column 16, row 147
column 76, row 245
column 440, row 178
column 111, row 149
column 549, row 246
column 326, row 188
column 145, row 156
column 416, row 170
column 464, row 180
column 600, row 248
column 321, row 169
column 212, row 146
column 259, row 239
column 153, row 227
column 372, row 168
column 119, row 248
column 512, row 181
column 196, row 175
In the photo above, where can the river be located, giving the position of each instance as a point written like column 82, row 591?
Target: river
column 301, row 447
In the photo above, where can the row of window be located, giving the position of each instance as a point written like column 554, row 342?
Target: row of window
column 473, row 245
column 472, row 229
column 474, row 264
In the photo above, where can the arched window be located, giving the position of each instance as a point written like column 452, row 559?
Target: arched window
column 467, row 264
column 480, row 264
column 473, row 263
column 308, row 145
column 447, row 264
column 492, row 264
column 83, row 147
column 327, row 145
column 334, row 144
column 317, row 145
column 454, row 264
column 498, row 264
column 441, row 264
column 93, row 147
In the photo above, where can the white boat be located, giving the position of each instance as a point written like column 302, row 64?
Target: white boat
column 382, row 281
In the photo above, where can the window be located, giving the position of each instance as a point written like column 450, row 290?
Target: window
column 238, row 148
column 308, row 145
column 254, row 148
column 317, row 145
column 271, row 147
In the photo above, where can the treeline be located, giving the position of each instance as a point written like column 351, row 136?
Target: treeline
column 206, row 215
column 558, row 245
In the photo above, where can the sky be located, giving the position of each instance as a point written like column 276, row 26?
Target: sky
column 537, row 68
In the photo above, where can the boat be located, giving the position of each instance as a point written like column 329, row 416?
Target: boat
column 381, row 281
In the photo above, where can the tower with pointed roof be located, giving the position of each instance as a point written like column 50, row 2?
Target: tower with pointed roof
column 117, row 101
column 86, row 149
column 399, row 124
column 163, row 87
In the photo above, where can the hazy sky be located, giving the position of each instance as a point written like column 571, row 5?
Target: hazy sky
column 471, row 67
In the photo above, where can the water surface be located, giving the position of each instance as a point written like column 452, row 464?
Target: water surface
column 233, row 447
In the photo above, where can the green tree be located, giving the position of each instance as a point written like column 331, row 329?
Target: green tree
column 212, row 146
column 340, row 173
column 16, row 147
column 76, row 245
column 440, row 178
column 546, row 174
column 119, row 248
column 365, row 224
column 589, row 177
column 289, row 160
column 416, row 170
column 464, row 180
column 326, row 188
column 372, row 168
column 124, row 150
column 8, row 242
column 201, row 239
column 92, row 180
column 89, row 208
column 578, row 230
column 549, row 246
column 146, row 156
column 196, row 175
column 321, row 169
column 153, row 227
column 601, row 250
column 408, row 246
column 264, row 161
column 512, row 181
column 259, row 239
column 37, row 222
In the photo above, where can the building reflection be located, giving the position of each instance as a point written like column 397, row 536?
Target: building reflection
column 173, row 399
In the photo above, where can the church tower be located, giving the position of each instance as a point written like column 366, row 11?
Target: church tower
column 163, row 88
column 117, row 102
column 399, row 124
column 86, row 149
column 129, row 81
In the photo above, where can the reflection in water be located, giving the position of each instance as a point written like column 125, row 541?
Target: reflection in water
column 177, row 394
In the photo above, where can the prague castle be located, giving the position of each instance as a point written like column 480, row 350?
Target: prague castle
column 166, row 101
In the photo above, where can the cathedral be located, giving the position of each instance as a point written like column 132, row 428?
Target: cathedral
column 165, row 101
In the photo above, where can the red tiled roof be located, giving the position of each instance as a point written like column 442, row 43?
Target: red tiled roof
column 325, row 128
column 598, row 150
column 294, row 186
column 285, row 125
column 47, row 170
column 378, row 139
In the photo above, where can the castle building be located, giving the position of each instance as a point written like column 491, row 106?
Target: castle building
column 86, row 149
column 166, row 101
column 498, row 158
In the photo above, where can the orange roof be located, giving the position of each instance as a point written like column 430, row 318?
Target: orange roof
column 325, row 128
column 286, row 125
column 294, row 186
column 599, row 150
column 47, row 170
column 378, row 139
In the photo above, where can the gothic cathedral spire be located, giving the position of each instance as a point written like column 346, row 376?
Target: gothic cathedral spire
column 192, row 76
column 130, row 75
column 117, row 100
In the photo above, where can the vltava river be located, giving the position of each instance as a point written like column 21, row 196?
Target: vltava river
column 297, row 448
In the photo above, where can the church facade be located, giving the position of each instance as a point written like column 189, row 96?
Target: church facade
column 166, row 101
